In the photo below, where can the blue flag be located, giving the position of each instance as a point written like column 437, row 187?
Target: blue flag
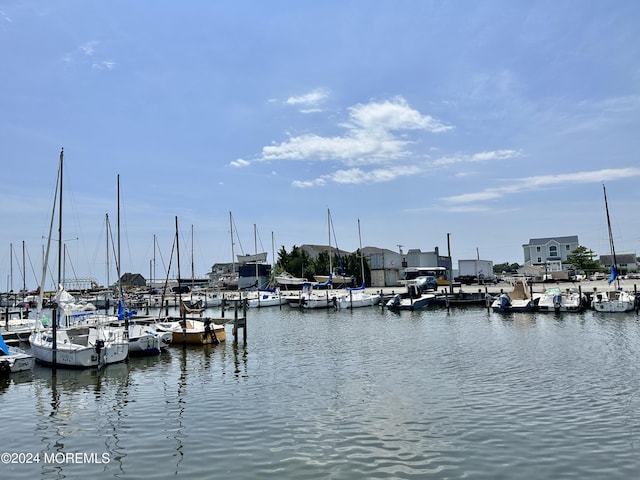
column 120, row 310
column 614, row 274
column 3, row 346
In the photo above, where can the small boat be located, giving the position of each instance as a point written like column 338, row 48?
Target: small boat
column 310, row 299
column 144, row 340
column 186, row 331
column 414, row 299
column 519, row 300
column 80, row 347
column 267, row 298
column 335, row 279
column 553, row 299
column 286, row 280
column 14, row 359
column 358, row 297
column 613, row 301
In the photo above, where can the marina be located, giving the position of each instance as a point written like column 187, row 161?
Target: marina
column 347, row 394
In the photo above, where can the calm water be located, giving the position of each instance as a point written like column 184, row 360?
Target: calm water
column 348, row 395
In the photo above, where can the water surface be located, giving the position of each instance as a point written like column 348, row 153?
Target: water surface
column 348, row 395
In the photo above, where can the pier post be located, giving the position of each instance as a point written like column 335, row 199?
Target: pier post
column 239, row 322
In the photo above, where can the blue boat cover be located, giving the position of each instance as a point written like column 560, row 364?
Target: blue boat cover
column 3, row 346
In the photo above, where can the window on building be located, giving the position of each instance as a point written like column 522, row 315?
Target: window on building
column 553, row 251
column 538, row 249
column 567, row 248
column 539, row 259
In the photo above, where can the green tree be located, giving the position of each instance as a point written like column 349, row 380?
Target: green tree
column 297, row 262
column 505, row 267
column 582, row 259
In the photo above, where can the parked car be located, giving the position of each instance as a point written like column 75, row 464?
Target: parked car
column 427, row 283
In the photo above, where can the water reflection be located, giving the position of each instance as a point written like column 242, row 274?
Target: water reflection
column 367, row 394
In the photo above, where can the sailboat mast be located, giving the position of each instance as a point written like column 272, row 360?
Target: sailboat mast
column 24, row 272
column 182, row 310
column 233, row 254
column 54, row 313
column 193, row 272
column 255, row 246
column 106, row 219
column 361, row 254
column 118, row 227
column 329, row 229
column 611, row 245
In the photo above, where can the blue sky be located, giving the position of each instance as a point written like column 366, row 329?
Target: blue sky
column 492, row 121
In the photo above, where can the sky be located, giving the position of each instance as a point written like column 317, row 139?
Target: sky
column 471, row 126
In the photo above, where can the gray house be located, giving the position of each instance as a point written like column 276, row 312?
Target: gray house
column 627, row 262
column 541, row 251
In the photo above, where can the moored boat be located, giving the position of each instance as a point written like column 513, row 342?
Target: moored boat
column 267, row 298
column 519, row 300
column 358, row 297
column 187, row 331
column 414, row 299
column 553, row 299
column 614, row 300
column 14, row 359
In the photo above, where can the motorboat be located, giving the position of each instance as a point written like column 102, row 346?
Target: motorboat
column 14, row 359
column 519, row 300
column 415, row 298
column 553, row 299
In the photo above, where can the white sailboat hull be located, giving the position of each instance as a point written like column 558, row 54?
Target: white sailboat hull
column 613, row 301
column 16, row 361
column 71, row 351
column 358, row 299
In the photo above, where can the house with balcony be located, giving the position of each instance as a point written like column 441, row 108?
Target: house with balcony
column 544, row 257
column 540, row 251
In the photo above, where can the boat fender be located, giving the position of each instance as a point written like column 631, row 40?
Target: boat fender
column 557, row 301
column 394, row 302
column 505, row 301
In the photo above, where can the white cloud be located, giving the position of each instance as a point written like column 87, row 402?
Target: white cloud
column 311, row 99
column 104, row 65
column 477, row 157
column 370, row 137
column 239, row 163
column 88, row 48
column 393, row 115
column 540, row 182
column 308, row 183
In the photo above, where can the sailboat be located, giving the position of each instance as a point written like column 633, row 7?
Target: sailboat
column 333, row 279
column 76, row 344
column 358, row 296
column 189, row 330
column 265, row 297
column 143, row 339
column 613, row 300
